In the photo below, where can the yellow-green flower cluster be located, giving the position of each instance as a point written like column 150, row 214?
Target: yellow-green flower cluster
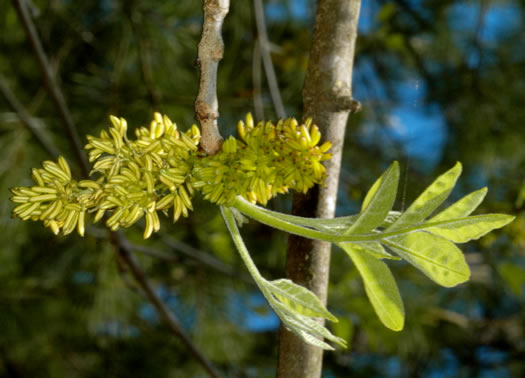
column 269, row 159
column 56, row 199
column 162, row 168
column 149, row 174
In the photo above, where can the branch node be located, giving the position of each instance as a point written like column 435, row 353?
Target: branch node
column 343, row 100
column 347, row 103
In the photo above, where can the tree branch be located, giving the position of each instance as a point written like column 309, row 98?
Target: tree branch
column 26, row 119
column 264, row 45
column 120, row 244
column 130, row 260
column 329, row 77
column 143, row 49
column 210, row 52
column 171, row 320
column 51, row 85
column 256, row 80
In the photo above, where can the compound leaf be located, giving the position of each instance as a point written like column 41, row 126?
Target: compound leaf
column 293, row 304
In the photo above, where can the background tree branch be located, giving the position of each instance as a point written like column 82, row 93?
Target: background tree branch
column 54, row 90
column 171, row 320
column 328, row 86
column 120, row 243
column 26, row 119
column 264, row 48
column 210, row 52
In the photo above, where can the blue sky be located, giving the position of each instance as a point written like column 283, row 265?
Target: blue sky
column 419, row 129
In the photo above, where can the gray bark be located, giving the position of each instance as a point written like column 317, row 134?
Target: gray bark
column 211, row 50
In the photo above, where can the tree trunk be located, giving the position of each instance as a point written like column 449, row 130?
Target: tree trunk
column 327, row 97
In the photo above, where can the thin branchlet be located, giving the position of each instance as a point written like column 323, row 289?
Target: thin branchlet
column 210, row 52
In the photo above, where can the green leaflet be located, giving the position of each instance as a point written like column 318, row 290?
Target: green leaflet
column 391, row 218
column 462, row 208
column 298, row 298
column 374, row 249
column 291, row 302
column 303, row 325
column 314, row 340
column 241, row 219
column 378, row 201
column 371, row 192
column 429, row 200
column 380, row 286
column 438, row 258
column 464, row 229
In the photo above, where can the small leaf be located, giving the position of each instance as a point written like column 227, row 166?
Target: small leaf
column 298, row 298
column 380, row 287
column 309, row 339
column 373, row 248
column 462, row 208
column 464, row 229
column 429, row 200
column 301, row 325
column 241, row 219
column 391, row 218
column 371, row 192
column 378, row 201
column 438, row 258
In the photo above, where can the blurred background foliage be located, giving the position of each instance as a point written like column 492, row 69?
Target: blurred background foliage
column 439, row 81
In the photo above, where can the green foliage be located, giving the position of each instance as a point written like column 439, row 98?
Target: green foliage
column 429, row 200
column 428, row 246
column 380, row 286
column 298, row 299
column 294, row 304
column 436, row 257
column 378, row 202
